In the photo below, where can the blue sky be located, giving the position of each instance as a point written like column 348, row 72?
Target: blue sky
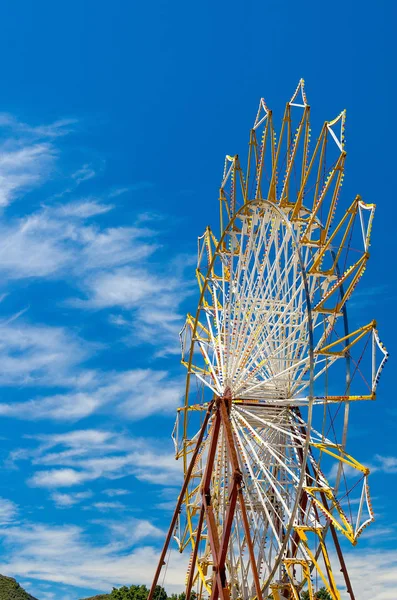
column 115, row 119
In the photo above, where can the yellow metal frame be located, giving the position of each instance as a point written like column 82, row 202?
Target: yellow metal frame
column 329, row 581
column 318, row 236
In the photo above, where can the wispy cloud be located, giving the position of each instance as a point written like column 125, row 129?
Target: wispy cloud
column 8, row 511
column 368, row 296
column 115, row 492
column 77, row 457
column 113, row 270
column 38, row 354
column 68, row 554
column 134, row 187
column 118, row 192
column 380, row 568
column 109, row 506
column 57, row 242
column 23, row 167
column 133, row 394
column 120, row 275
column 84, row 174
column 83, row 209
column 150, row 302
column 69, row 500
column 28, row 155
column 384, row 464
column 114, row 267
column 56, row 129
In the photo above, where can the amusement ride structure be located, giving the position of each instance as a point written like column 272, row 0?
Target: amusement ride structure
column 270, row 492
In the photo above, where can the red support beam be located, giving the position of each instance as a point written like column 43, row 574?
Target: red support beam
column 227, row 526
column 194, row 554
column 219, row 586
column 238, row 479
column 219, row 547
column 180, row 500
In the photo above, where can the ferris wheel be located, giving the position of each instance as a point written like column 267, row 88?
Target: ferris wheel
column 272, row 369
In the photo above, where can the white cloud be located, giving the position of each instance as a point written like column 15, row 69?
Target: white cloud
column 80, row 440
column 109, row 265
column 109, row 506
column 28, row 156
column 380, row 569
column 57, row 478
column 33, row 247
column 109, row 269
column 115, row 492
column 124, row 287
column 142, row 529
column 113, row 268
column 61, row 407
column 84, row 209
column 367, row 296
column 118, row 192
column 37, row 355
column 8, row 511
column 56, row 242
column 134, row 187
column 70, row 460
column 347, row 471
column 143, row 392
column 150, row 302
column 113, row 556
column 148, row 216
column 169, row 505
column 23, row 167
column 68, row 500
column 385, row 464
column 68, row 555
column 134, row 394
column 57, row 129
column 110, row 248
column 86, row 172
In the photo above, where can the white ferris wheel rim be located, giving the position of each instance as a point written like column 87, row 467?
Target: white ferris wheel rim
column 309, row 403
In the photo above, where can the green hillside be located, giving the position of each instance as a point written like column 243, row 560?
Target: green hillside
column 11, row 590
column 100, row 597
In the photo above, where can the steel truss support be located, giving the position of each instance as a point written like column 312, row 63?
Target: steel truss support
column 218, row 546
column 180, row 500
column 220, row 408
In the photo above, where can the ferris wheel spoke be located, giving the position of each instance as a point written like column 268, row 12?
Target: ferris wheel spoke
column 258, row 490
column 216, row 345
column 273, row 377
column 251, row 256
column 327, row 364
column 244, row 294
column 292, row 335
column 269, row 477
column 267, row 445
column 279, row 303
column 271, row 424
column 275, row 357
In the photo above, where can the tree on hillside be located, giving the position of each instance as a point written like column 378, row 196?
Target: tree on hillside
column 137, row 592
column 322, row 594
column 11, row 590
column 160, row 593
column 182, row 596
